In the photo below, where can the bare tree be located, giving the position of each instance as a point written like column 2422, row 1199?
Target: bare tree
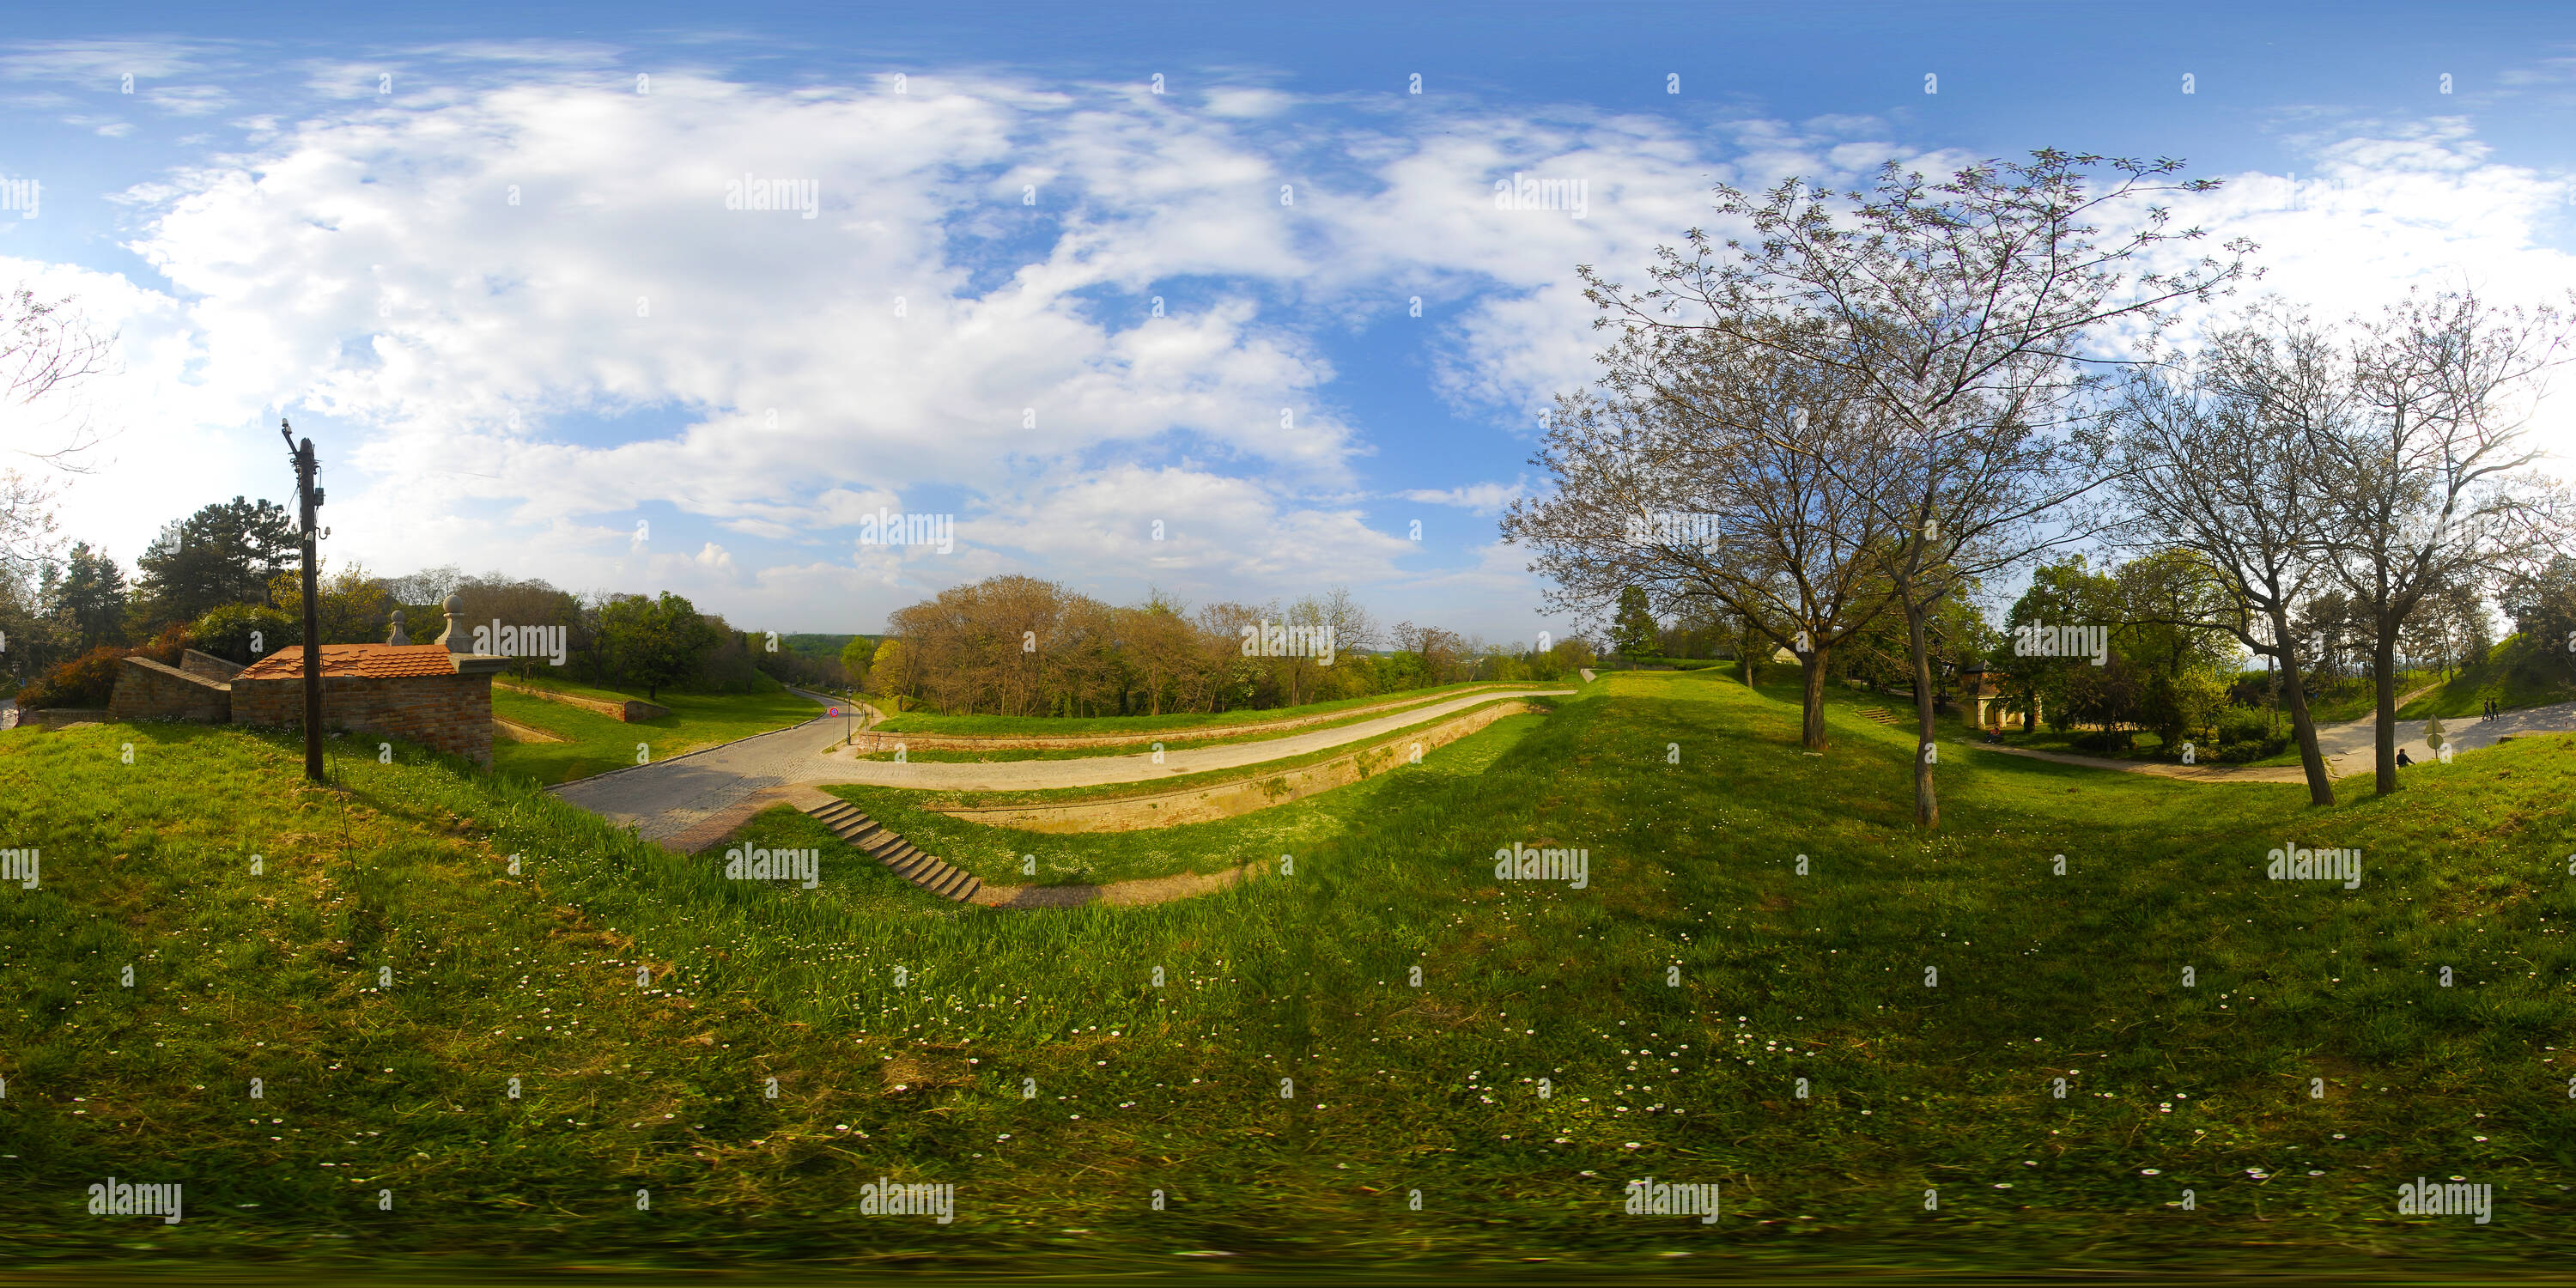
column 1962, row 313
column 2425, row 476
column 45, row 348
column 2226, row 464
column 1702, row 480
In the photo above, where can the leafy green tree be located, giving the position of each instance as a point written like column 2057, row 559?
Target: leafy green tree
column 855, row 657
column 245, row 633
column 657, row 642
column 90, row 598
column 1633, row 631
column 2543, row 605
column 222, row 554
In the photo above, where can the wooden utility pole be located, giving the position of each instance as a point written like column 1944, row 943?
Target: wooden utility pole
column 310, row 498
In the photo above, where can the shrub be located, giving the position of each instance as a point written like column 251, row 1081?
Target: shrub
column 2104, row 740
column 2244, row 724
column 2251, row 749
column 226, row 632
column 85, row 681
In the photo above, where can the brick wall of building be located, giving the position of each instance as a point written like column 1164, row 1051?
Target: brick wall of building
column 147, row 690
column 450, row 712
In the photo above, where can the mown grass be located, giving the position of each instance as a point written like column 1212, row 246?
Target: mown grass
column 2515, row 674
column 925, row 722
column 600, row 743
column 1686, row 1076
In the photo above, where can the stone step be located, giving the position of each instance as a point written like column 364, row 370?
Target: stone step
column 902, row 857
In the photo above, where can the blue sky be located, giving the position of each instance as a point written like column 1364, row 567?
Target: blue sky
column 485, row 261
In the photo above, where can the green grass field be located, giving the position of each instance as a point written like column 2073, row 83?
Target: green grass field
column 1031, row 1058
column 600, row 743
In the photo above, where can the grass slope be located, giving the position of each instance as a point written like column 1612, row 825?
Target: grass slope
column 1672, row 1004
column 600, row 743
column 2513, row 673
column 999, row 854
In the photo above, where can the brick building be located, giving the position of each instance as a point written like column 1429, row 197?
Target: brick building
column 433, row 694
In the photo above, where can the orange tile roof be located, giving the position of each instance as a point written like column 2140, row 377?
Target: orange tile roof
column 371, row 661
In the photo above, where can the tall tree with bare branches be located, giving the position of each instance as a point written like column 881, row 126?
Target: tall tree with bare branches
column 2223, row 458
column 2426, row 474
column 1968, row 317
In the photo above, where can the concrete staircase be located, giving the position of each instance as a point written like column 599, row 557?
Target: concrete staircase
column 876, row 841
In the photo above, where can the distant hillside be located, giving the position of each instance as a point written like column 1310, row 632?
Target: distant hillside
column 821, row 645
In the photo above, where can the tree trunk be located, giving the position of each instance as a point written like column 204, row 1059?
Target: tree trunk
column 2384, row 710
column 1811, row 730
column 2320, row 787
column 1927, row 807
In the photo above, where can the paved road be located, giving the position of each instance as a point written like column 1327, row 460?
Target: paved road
column 2349, row 748
column 667, row 799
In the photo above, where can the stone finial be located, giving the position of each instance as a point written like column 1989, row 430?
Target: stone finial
column 456, row 638
column 398, row 637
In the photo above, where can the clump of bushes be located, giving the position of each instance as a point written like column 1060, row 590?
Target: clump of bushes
column 228, row 632
column 90, row 679
column 2247, row 734
column 84, row 681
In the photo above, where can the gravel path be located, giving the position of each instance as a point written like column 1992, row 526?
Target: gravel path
column 663, row 801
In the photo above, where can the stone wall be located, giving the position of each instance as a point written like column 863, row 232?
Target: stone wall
column 450, row 712
column 147, row 690
column 209, row 666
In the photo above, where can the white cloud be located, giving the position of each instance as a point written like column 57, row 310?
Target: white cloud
column 364, row 263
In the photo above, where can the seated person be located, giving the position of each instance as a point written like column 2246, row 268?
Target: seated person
column 2402, row 759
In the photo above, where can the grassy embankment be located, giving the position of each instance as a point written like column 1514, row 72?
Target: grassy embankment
column 1688, row 1076
column 2516, row 673
column 600, row 743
